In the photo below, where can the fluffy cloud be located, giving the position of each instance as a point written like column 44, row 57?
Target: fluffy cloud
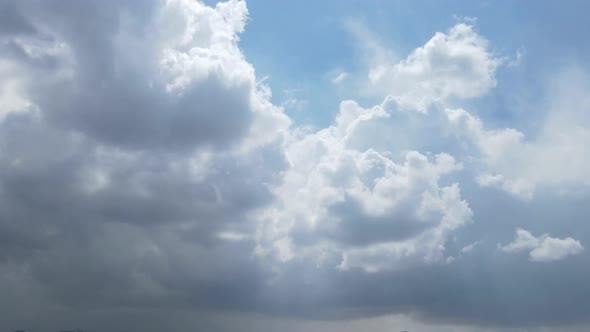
column 520, row 163
column 374, row 209
column 459, row 65
column 543, row 248
column 455, row 64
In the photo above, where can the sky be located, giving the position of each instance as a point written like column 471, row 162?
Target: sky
column 292, row 166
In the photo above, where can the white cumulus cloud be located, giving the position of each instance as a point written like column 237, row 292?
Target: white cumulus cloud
column 369, row 209
column 453, row 64
column 543, row 248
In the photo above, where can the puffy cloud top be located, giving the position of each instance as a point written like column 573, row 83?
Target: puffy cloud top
column 543, row 248
column 455, row 64
column 362, row 205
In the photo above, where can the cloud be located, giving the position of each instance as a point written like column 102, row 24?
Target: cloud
column 525, row 164
column 518, row 58
column 544, row 248
column 360, row 204
column 454, row 64
column 468, row 248
column 339, row 78
column 292, row 102
column 132, row 152
column 459, row 65
column 518, row 188
column 342, row 223
column 191, row 88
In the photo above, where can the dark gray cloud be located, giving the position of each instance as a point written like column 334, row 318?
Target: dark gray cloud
column 114, row 90
column 114, row 191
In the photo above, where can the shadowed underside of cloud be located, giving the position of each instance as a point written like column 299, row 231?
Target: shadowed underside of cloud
column 145, row 171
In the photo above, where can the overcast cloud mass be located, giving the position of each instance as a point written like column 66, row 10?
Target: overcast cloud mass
column 151, row 181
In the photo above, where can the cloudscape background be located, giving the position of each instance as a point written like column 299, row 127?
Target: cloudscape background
column 294, row 166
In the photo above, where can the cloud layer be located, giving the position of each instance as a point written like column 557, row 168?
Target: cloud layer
column 145, row 172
